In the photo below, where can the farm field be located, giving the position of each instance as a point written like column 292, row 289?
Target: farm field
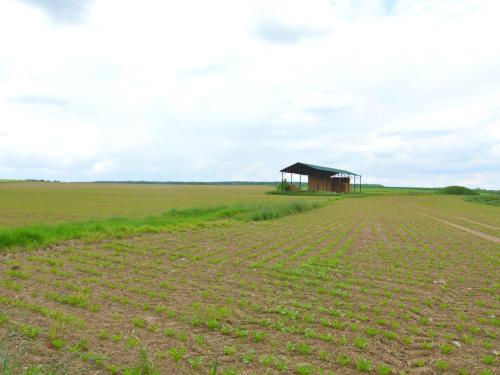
column 23, row 203
column 379, row 284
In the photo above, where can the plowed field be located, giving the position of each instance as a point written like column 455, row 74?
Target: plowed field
column 376, row 284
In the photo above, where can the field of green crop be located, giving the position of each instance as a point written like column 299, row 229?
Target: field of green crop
column 24, row 203
column 388, row 284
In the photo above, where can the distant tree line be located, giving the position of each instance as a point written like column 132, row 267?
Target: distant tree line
column 34, row 180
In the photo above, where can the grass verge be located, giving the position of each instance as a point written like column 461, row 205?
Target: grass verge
column 490, row 199
column 305, row 193
column 118, row 227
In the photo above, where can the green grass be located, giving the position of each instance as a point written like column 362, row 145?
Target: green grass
column 46, row 234
column 365, row 191
column 304, row 193
column 457, row 190
column 489, row 199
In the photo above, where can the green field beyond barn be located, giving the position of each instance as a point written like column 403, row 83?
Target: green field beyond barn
column 24, row 203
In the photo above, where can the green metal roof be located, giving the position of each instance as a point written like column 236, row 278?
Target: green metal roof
column 299, row 168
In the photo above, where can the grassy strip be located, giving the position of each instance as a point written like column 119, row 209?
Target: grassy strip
column 490, row 199
column 305, row 193
column 47, row 234
column 368, row 191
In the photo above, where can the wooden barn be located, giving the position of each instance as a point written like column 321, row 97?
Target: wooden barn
column 323, row 178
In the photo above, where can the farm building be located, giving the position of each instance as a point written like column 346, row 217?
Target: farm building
column 323, row 178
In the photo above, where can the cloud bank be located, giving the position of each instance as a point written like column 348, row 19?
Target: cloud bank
column 403, row 92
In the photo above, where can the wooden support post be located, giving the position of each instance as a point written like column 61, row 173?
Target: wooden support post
column 300, row 182
column 360, row 184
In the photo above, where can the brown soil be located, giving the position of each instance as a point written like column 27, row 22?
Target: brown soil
column 365, row 278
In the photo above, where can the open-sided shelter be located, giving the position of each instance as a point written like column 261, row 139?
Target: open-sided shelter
column 323, row 178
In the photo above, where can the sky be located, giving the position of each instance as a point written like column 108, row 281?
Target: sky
column 404, row 92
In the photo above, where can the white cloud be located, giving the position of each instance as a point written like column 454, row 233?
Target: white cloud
column 104, row 166
column 403, row 91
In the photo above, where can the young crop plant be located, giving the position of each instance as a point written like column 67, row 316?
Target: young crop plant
column 408, row 340
column 182, row 336
column 17, row 274
column 229, row 371
column 489, row 359
column 259, row 336
column 213, row 324
column 248, row 356
column 169, row 332
column 171, row 314
column 226, row 330
column 55, row 341
column 3, row 318
column 200, row 340
column 344, row 360
column 139, row 322
column 195, row 362
column 116, row 338
column 327, row 337
column 305, row 370
column 390, row 335
column 95, row 358
column 241, row 332
column 144, row 366
column 370, row 331
column 310, row 333
column 81, row 346
column 133, row 342
column 176, row 353
column 30, row 331
column 384, row 370
column 364, row 365
column 361, row 343
column 343, row 340
column 446, row 348
column 229, row 350
column 442, row 365
column 104, row 334
column 267, row 359
column 301, row 347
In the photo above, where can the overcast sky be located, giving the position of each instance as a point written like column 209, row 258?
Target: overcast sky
column 404, row 92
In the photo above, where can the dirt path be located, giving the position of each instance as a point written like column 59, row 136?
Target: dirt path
column 477, row 233
column 475, row 222
column 431, row 211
